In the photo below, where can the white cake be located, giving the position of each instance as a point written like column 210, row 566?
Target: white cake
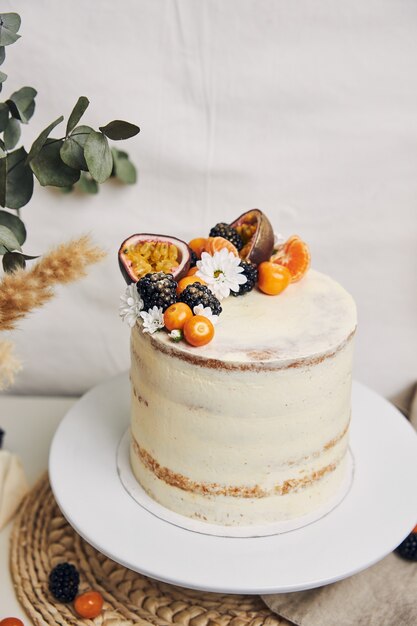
column 253, row 427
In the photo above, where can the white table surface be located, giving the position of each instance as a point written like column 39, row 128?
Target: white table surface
column 29, row 423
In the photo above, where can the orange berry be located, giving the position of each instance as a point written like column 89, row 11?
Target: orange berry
column 188, row 280
column 215, row 244
column 197, row 245
column 192, row 271
column 295, row 255
column 176, row 315
column 11, row 621
column 273, row 278
column 198, row 330
column 89, row 604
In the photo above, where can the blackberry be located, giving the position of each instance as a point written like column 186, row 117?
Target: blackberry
column 227, row 232
column 193, row 258
column 251, row 273
column 408, row 548
column 158, row 289
column 196, row 293
column 63, row 582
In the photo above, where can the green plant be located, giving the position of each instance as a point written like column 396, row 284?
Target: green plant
column 82, row 158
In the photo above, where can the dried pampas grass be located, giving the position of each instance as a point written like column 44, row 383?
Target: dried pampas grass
column 9, row 365
column 25, row 290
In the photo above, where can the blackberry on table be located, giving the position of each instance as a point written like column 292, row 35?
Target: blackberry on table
column 251, row 272
column 196, row 293
column 63, row 582
column 227, row 232
column 408, row 548
column 157, row 289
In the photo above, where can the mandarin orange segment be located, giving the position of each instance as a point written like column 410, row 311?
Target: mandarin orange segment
column 294, row 254
column 215, row 244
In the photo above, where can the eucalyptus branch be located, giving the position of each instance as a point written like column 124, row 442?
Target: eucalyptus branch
column 82, row 158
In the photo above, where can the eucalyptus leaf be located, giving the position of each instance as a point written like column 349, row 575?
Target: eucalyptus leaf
column 19, row 182
column 13, row 261
column 87, row 184
column 49, row 168
column 40, row 141
column 3, row 77
column 77, row 113
column 73, row 154
column 118, row 129
column 22, row 103
column 125, row 171
column 9, row 25
column 8, row 240
column 98, row 157
column 4, row 116
column 12, row 133
column 15, row 224
column 3, row 177
column 2, row 54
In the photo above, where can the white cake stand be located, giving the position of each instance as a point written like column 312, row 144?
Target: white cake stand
column 377, row 513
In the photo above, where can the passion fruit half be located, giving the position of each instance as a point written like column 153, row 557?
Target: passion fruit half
column 257, row 234
column 145, row 253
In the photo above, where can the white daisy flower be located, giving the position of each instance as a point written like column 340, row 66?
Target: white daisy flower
column 222, row 272
column 153, row 320
column 131, row 305
column 175, row 335
column 206, row 311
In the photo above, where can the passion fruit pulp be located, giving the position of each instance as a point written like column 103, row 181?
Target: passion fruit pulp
column 145, row 253
column 257, row 235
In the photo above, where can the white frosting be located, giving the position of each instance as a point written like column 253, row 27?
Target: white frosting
column 266, row 407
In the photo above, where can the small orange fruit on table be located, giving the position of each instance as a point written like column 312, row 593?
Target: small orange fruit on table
column 295, row 255
column 198, row 331
column 89, row 604
column 273, row 278
column 176, row 315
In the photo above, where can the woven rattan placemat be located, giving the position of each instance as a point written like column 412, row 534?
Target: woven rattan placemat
column 41, row 538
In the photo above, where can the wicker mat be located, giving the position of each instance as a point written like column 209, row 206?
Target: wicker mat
column 41, row 538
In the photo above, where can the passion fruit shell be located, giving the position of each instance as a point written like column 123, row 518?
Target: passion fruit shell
column 145, row 253
column 257, row 235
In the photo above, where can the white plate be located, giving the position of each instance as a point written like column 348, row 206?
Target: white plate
column 377, row 513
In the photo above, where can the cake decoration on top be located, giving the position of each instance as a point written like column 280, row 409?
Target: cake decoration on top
column 179, row 286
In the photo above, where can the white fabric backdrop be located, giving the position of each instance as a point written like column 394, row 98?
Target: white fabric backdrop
column 307, row 110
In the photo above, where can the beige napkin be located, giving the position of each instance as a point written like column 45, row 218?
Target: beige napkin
column 13, row 485
column 383, row 595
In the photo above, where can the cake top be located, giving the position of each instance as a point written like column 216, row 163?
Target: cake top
column 311, row 318
column 280, row 313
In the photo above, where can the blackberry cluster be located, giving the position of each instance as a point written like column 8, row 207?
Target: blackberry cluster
column 227, row 232
column 193, row 258
column 196, row 293
column 408, row 548
column 63, row 582
column 158, row 289
column 251, row 273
